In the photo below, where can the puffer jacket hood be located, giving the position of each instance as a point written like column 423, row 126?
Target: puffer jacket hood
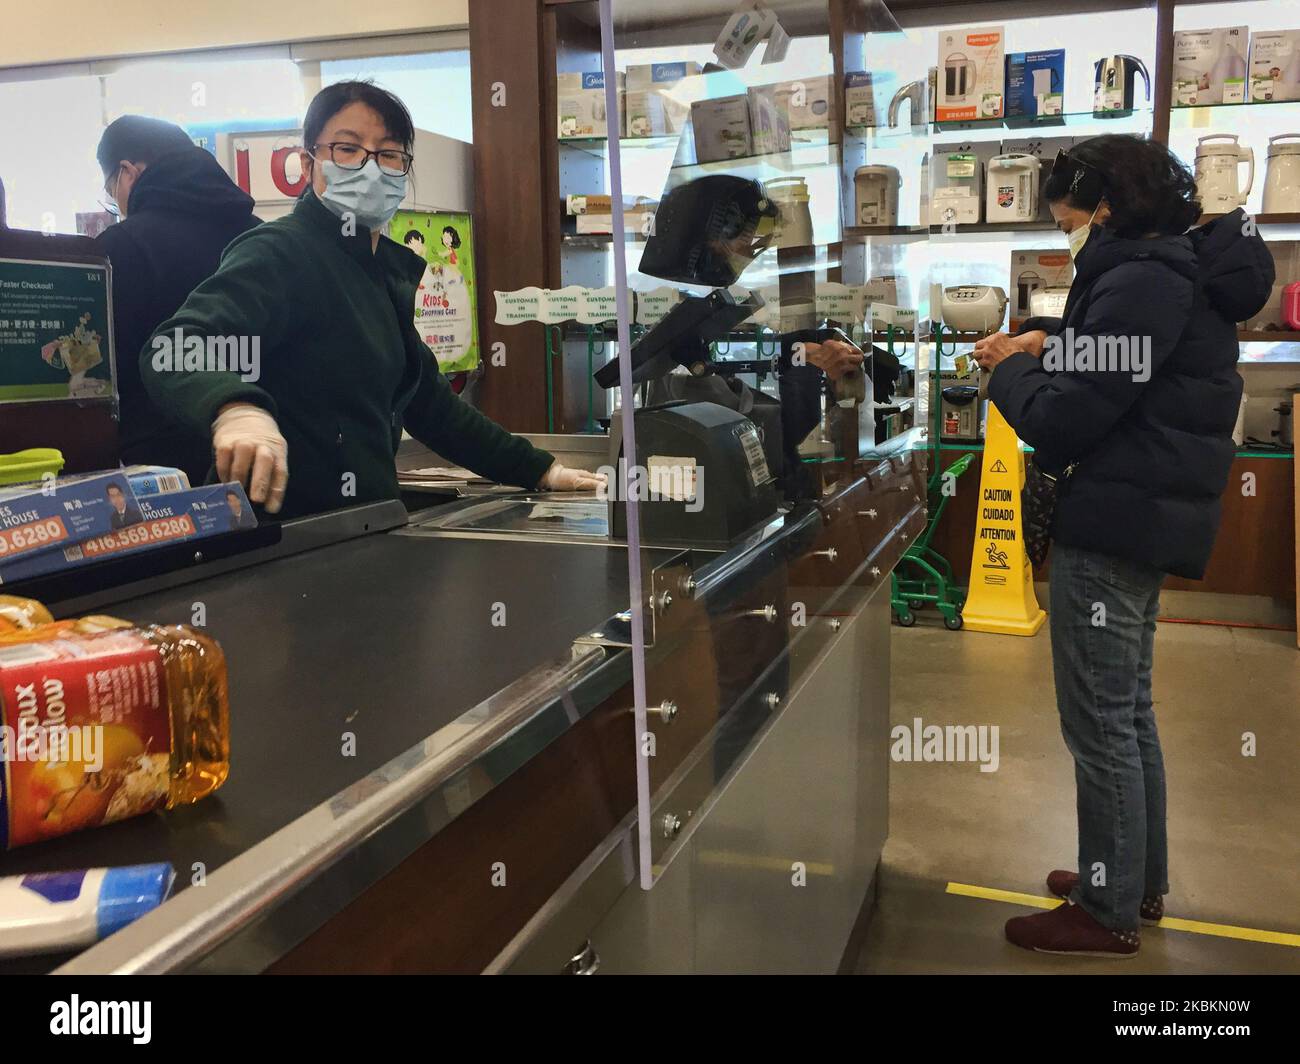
column 189, row 181
column 1236, row 269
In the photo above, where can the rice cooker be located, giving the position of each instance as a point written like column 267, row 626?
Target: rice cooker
column 1012, row 188
column 973, row 308
column 1282, row 182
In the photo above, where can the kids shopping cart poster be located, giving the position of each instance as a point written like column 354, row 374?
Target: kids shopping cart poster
column 444, row 303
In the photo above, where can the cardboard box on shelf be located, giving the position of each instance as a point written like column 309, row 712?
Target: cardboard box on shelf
column 805, row 103
column 582, row 111
column 1036, row 83
column 1032, row 270
column 653, row 107
column 1274, row 65
column 972, row 74
column 769, row 126
column 860, row 100
column 722, row 128
column 1210, row 66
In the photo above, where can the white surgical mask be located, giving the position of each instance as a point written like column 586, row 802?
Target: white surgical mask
column 1078, row 236
column 369, row 195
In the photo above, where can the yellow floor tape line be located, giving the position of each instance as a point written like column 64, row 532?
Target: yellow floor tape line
column 1169, row 923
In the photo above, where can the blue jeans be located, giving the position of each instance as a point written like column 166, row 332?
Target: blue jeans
column 1103, row 618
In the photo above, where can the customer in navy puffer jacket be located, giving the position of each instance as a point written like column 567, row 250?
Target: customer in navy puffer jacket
column 1131, row 398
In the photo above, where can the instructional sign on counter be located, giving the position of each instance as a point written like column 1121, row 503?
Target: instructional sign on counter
column 54, row 329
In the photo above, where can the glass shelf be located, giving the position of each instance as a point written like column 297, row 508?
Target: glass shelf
column 1229, row 115
column 1048, row 124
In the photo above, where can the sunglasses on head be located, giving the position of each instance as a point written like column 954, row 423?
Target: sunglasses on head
column 1075, row 173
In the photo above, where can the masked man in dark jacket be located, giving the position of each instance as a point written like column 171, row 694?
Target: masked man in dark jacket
column 179, row 210
column 1130, row 399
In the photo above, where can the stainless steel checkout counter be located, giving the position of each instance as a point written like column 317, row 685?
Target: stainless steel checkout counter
column 486, row 818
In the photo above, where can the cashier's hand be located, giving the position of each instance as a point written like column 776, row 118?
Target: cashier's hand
column 562, row 478
column 250, row 449
column 993, row 349
column 834, row 357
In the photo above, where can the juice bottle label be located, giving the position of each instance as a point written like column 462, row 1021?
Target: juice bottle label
column 85, row 734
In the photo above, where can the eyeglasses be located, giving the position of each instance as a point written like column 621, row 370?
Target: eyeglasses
column 1064, row 165
column 349, row 156
column 109, row 200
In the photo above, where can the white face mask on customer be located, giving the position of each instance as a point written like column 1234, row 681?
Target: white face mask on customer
column 1078, row 236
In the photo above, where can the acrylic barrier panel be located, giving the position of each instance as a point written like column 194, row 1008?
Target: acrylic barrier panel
column 760, row 521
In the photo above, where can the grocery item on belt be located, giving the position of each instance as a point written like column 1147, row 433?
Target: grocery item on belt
column 48, row 912
column 101, row 725
column 21, row 614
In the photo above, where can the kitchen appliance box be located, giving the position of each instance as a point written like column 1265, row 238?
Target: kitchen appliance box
column 1033, row 269
column 806, row 103
column 1024, row 69
column 733, row 127
column 1274, row 65
column 651, row 108
column 957, row 174
column 582, row 105
column 972, row 74
column 860, row 100
column 36, row 518
column 1210, row 66
column 172, row 517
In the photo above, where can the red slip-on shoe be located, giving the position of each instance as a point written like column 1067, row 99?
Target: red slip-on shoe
column 1069, row 930
column 1062, row 884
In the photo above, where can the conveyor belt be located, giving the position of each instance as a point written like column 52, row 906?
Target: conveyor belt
column 388, row 637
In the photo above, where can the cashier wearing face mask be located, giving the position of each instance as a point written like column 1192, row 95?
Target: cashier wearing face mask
column 1130, row 400
column 320, row 304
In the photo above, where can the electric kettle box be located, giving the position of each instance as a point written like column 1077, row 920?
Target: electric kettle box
column 653, row 108
column 1032, row 270
column 1036, row 83
column 1274, row 65
column 721, row 128
column 972, row 74
column 1210, row 66
column 582, row 105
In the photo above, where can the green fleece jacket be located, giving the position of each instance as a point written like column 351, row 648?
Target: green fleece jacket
column 340, row 364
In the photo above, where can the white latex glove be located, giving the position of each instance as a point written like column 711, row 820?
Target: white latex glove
column 562, row 478
column 250, row 449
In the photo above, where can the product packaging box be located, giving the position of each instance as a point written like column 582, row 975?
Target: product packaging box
column 1274, row 65
column 582, row 105
column 805, row 104
column 39, row 517
column 721, row 127
column 1036, row 83
column 769, row 126
column 860, row 100
column 652, row 107
column 1032, row 270
column 1045, row 148
column 750, row 22
column 1210, row 66
column 972, row 74
column 957, row 174
column 172, row 517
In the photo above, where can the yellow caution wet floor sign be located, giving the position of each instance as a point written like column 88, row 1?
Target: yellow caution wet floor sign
column 1001, row 597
